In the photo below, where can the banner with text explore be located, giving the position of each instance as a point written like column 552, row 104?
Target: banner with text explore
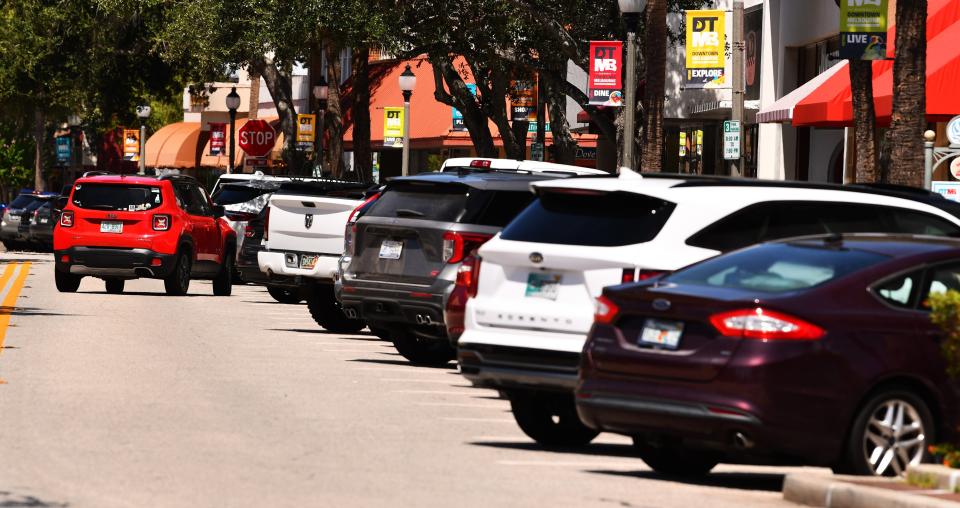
column 705, row 55
column 605, row 87
column 863, row 29
column 393, row 127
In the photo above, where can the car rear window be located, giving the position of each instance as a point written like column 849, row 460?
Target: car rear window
column 495, row 207
column 443, row 203
column 600, row 219
column 233, row 194
column 129, row 198
column 776, row 268
column 22, row 201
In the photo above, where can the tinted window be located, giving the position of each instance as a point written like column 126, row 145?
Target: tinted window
column 909, row 221
column 495, row 208
column 604, row 219
column 116, row 197
column 776, row 268
column 430, row 202
column 942, row 279
column 22, row 201
column 900, row 291
column 233, row 194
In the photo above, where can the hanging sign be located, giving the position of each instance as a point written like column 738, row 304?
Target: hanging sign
column 731, row 140
column 63, row 149
column 306, row 131
column 523, row 100
column 131, row 145
column 863, row 29
column 458, row 124
column 218, row 138
column 605, row 87
column 393, row 127
column 699, row 143
column 683, row 144
column 706, row 44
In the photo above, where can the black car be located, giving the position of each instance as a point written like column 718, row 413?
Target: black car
column 41, row 223
column 10, row 233
column 249, row 268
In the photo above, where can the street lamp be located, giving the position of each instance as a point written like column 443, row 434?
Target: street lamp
column 143, row 112
column 320, row 92
column 631, row 10
column 407, row 83
column 233, row 102
column 74, row 122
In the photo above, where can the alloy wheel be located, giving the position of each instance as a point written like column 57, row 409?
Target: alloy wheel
column 894, row 438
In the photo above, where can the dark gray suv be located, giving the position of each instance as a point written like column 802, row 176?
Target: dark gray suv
column 407, row 248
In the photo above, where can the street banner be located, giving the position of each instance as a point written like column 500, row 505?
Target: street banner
column 63, row 149
column 863, row 29
column 306, row 132
column 683, row 144
column 605, row 87
column 753, row 26
column 131, row 145
column 218, row 138
column 523, row 100
column 458, row 124
column 393, row 127
column 705, row 55
column 699, row 143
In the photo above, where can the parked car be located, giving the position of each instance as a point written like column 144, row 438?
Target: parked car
column 473, row 164
column 407, row 248
column 118, row 227
column 249, row 267
column 527, row 325
column 816, row 351
column 10, row 233
column 349, row 232
column 303, row 242
column 243, row 201
column 41, row 224
column 27, row 218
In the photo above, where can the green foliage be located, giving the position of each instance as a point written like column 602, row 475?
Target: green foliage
column 946, row 454
column 945, row 313
column 16, row 159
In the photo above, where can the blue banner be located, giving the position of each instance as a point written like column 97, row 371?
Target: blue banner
column 63, row 149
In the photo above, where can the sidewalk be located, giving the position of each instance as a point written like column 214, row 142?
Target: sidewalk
column 928, row 486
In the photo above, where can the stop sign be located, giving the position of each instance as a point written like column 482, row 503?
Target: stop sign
column 257, row 138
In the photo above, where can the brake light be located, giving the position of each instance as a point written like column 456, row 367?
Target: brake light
column 161, row 222
column 248, row 231
column 479, row 163
column 366, row 202
column 764, row 324
column 605, row 311
column 66, row 219
column 464, row 288
column 457, row 245
column 468, row 275
column 266, row 225
column 349, row 233
column 240, row 216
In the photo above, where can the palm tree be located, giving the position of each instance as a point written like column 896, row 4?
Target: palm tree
column 864, row 121
column 904, row 164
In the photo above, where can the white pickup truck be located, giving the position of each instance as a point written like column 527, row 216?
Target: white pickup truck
column 303, row 240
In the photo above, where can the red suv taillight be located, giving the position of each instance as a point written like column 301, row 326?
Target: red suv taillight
column 457, row 245
column 605, row 311
column 66, row 219
column 479, row 163
column 248, row 231
column 764, row 324
column 161, row 222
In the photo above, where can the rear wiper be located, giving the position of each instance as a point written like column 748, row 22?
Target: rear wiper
column 406, row 212
column 102, row 207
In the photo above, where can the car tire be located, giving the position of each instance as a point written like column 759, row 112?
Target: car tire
column 8, row 245
column 67, row 282
column 287, row 296
column 223, row 282
column 178, row 282
column 421, row 351
column 550, row 419
column 381, row 333
column 873, row 454
column 674, row 460
column 327, row 312
column 114, row 286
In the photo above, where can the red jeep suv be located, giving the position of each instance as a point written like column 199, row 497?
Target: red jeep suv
column 119, row 227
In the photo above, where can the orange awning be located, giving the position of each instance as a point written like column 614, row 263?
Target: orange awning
column 174, row 146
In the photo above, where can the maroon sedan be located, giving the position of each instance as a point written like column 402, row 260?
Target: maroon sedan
column 814, row 351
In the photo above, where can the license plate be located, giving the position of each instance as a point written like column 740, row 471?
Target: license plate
column 390, row 249
column 543, row 285
column 44, row 221
column 308, row 261
column 111, row 227
column 661, row 334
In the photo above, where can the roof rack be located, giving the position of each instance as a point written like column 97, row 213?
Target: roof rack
column 176, row 177
column 96, row 173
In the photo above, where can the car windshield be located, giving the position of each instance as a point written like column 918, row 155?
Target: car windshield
column 233, row 194
column 776, row 268
column 22, row 201
column 130, row 198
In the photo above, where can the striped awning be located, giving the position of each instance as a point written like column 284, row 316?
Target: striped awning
column 781, row 111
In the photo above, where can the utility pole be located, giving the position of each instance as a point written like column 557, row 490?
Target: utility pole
column 541, row 126
column 739, row 48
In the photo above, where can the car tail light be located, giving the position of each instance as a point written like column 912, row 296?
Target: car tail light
column 605, row 311
column 240, row 216
column 457, row 245
column 464, row 288
column 479, row 163
column 349, row 233
column 66, row 219
column 161, row 222
column 631, row 275
column 764, row 324
column 266, row 225
column 248, row 231
column 468, row 275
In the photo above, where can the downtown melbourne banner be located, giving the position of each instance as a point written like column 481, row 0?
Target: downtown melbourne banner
column 218, row 138
column 605, row 87
column 523, row 100
column 706, row 57
column 131, row 145
column 306, row 131
column 393, row 127
column 863, row 29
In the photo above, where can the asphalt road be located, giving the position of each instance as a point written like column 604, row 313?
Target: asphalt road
column 142, row 399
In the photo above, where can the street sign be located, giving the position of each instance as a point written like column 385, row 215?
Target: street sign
column 731, row 140
column 63, row 149
column 536, row 151
column 257, row 138
column 953, row 131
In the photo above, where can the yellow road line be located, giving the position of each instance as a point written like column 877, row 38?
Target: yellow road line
column 10, row 301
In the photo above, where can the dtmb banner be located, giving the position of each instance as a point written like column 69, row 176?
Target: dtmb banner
column 863, row 29
column 393, row 127
column 706, row 41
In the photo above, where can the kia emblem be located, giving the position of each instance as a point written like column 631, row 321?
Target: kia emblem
column 308, row 220
column 536, row 257
column 661, row 304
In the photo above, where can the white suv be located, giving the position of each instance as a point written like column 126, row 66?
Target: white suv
column 538, row 279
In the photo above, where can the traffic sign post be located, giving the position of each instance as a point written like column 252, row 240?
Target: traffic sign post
column 257, row 138
column 731, row 140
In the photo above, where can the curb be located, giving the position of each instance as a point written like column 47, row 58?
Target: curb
column 838, row 492
column 945, row 478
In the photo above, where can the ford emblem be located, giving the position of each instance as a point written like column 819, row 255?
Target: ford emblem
column 536, row 257
column 308, row 220
column 661, row 304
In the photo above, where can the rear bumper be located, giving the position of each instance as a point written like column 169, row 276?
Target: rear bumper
column 409, row 307
column 114, row 262
column 505, row 368
column 11, row 231
column 282, row 267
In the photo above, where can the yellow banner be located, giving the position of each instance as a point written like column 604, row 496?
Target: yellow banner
column 306, row 128
column 705, row 55
column 393, row 127
column 131, row 145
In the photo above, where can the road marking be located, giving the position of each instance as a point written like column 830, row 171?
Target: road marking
column 10, row 301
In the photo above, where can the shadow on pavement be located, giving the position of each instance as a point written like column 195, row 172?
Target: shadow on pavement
column 143, row 293
column 319, row 331
column 29, row 311
column 770, row 482
column 10, row 500
column 609, row 450
column 400, row 362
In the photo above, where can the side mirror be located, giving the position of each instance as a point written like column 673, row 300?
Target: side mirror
column 219, row 211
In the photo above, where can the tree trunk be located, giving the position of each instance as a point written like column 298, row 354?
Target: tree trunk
column 518, row 131
column 39, row 135
column 908, row 121
column 280, row 87
column 655, row 58
column 362, row 158
column 864, row 122
column 564, row 146
column 460, row 97
column 333, row 118
column 494, row 85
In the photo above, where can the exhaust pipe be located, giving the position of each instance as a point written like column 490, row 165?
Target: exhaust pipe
column 741, row 441
column 350, row 313
column 143, row 272
column 424, row 319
